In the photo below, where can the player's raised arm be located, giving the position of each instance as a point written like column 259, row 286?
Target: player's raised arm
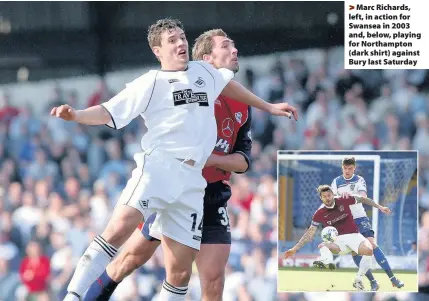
column 307, row 237
column 369, row 202
column 236, row 91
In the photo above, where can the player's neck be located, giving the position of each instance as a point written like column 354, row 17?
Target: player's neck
column 348, row 178
column 174, row 67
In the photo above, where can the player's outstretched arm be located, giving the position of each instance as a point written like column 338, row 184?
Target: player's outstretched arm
column 369, row 202
column 307, row 237
column 236, row 91
column 96, row 115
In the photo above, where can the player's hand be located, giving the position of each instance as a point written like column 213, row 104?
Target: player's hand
column 65, row 112
column 289, row 253
column 385, row 210
column 283, row 109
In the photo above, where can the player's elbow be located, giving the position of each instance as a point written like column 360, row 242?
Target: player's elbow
column 242, row 166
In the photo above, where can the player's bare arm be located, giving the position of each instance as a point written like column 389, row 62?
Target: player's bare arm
column 307, row 237
column 231, row 162
column 96, row 115
column 369, row 202
column 236, row 91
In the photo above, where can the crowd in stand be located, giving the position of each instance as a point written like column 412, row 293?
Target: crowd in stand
column 59, row 180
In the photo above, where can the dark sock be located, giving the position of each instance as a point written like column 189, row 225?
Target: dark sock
column 101, row 289
column 382, row 261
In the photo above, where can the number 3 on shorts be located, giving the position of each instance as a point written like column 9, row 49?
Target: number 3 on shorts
column 194, row 222
column 224, row 216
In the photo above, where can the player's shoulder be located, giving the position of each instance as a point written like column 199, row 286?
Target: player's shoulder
column 319, row 211
column 360, row 178
column 145, row 78
column 210, row 69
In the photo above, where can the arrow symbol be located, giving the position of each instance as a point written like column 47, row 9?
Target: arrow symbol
column 351, row 7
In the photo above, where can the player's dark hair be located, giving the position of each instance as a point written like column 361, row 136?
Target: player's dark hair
column 204, row 43
column 349, row 161
column 324, row 188
column 155, row 30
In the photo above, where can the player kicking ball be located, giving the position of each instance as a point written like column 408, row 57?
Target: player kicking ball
column 336, row 212
column 177, row 104
column 350, row 183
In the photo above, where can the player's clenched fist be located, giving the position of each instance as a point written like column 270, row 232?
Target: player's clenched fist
column 65, row 112
column 289, row 253
column 385, row 210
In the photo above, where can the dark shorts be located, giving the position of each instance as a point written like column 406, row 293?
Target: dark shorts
column 216, row 228
column 364, row 226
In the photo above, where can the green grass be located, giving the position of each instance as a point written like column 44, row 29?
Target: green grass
column 313, row 280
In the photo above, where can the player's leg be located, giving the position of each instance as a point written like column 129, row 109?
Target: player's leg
column 178, row 265
column 102, row 249
column 214, row 252
column 382, row 261
column 141, row 195
column 362, row 246
column 136, row 252
column 365, row 229
column 326, row 260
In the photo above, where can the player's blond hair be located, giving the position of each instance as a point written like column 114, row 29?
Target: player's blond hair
column 204, row 43
column 155, row 30
column 323, row 188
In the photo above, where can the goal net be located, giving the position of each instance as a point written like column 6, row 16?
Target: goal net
column 388, row 182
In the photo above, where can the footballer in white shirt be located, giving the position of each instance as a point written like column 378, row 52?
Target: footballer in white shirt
column 347, row 184
column 177, row 104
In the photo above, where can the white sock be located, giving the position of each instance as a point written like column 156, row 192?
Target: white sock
column 364, row 266
column 326, row 255
column 90, row 266
column 171, row 293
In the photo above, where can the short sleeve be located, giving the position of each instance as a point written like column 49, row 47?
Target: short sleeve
column 361, row 185
column 334, row 186
column 315, row 221
column 131, row 102
column 221, row 76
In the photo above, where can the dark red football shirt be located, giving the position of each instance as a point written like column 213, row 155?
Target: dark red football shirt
column 233, row 135
column 339, row 217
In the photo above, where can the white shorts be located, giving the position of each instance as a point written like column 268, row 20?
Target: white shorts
column 349, row 242
column 173, row 189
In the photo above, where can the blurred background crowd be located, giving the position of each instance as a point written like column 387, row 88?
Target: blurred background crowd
column 59, row 181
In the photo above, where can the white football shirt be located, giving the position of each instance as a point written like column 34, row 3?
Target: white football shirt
column 178, row 109
column 354, row 185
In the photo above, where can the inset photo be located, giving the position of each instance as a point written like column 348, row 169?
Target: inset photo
column 347, row 221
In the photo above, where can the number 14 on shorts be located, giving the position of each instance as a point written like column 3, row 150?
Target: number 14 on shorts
column 194, row 222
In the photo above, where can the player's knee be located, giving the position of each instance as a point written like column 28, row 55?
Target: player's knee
column 179, row 276
column 373, row 244
column 212, row 286
column 365, row 248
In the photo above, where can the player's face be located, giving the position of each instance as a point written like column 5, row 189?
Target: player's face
column 173, row 52
column 327, row 198
column 348, row 171
column 224, row 54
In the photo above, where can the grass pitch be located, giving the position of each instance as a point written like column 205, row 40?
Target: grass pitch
column 315, row 280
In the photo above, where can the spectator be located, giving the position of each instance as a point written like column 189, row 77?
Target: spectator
column 35, row 271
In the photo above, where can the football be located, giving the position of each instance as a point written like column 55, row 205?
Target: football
column 329, row 234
